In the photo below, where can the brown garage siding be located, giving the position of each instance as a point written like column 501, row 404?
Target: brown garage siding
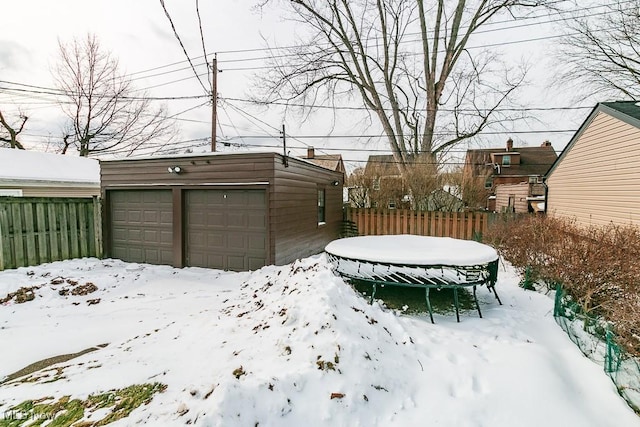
column 292, row 228
column 294, row 212
column 196, row 170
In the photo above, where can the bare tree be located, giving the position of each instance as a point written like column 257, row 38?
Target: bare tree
column 360, row 186
column 600, row 54
column 104, row 113
column 409, row 63
column 9, row 135
column 423, row 179
column 472, row 189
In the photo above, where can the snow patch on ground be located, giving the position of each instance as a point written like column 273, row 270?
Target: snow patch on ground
column 295, row 345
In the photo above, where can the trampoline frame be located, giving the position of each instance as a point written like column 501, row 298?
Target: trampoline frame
column 435, row 276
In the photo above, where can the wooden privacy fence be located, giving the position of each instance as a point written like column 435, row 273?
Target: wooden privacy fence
column 459, row 225
column 35, row 230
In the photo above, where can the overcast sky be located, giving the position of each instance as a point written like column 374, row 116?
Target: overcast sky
column 138, row 33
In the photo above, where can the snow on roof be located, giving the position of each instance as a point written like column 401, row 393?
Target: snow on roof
column 413, row 250
column 203, row 153
column 27, row 165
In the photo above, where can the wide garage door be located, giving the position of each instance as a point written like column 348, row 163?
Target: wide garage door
column 141, row 225
column 226, row 229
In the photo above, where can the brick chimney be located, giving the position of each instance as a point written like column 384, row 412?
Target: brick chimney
column 509, row 144
column 310, row 153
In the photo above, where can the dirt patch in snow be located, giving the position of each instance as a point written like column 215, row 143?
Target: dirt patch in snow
column 22, row 295
column 45, row 363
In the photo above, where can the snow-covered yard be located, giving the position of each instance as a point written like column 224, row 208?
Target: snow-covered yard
column 292, row 346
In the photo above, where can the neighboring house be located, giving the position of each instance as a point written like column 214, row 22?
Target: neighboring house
column 358, row 186
column 519, row 198
column 596, row 179
column 380, row 185
column 26, row 173
column 387, row 188
column 511, row 165
column 328, row 161
column 231, row 211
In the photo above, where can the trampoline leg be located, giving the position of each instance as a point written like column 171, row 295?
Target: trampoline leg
column 493, row 288
column 455, row 301
column 373, row 293
column 476, row 300
column 426, row 293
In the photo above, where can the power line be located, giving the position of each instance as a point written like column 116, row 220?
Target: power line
column 198, row 75
column 173, row 116
column 170, row 72
column 371, row 136
column 204, row 49
column 560, row 13
column 490, row 30
column 330, row 107
column 381, row 161
column 175, row 33
column 169, row 83
column 58, row 92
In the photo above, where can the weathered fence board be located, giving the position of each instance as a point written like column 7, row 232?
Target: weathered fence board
column 35, row 230
column 459, row 225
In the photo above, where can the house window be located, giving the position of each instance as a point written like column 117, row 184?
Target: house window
column 506, row 160
column 321, row 206
column 488, row 183
column 376, row 183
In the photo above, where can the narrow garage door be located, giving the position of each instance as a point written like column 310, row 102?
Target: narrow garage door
column 226, row 229
column 141, row 225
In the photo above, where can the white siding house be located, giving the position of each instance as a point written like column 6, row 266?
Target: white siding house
column 512, row 198
column 36, row 174
column 596, row 179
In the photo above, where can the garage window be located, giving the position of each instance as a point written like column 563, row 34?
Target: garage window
column 321, row 206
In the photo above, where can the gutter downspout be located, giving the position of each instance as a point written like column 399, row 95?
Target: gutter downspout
column 546, row 194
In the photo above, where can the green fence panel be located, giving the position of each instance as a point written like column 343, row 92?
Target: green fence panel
column 597, row 341
column 36, row 230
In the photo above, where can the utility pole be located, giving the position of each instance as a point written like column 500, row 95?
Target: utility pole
column 284, row 148
column 214, row 101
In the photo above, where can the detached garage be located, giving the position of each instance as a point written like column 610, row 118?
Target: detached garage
column 226, row 211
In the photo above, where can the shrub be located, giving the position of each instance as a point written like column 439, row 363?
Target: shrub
column 597, row 266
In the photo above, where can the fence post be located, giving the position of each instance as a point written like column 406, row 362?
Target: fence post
column 97, row 224
column 41, row 233
column 612, row 356
column 485, row 223
column 557, row 302
column 2, row 231
column 54, row 232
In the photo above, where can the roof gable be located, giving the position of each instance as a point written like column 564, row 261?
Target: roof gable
column 328, row 161
column 381, row 165
column 625, row 111
column 533, row 160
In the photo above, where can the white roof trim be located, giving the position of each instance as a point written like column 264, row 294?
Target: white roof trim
column 187, row 184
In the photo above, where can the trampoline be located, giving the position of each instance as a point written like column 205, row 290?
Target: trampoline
column 416, row 261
